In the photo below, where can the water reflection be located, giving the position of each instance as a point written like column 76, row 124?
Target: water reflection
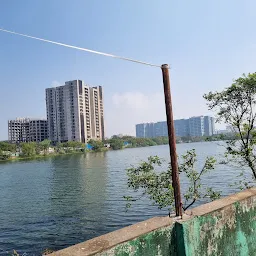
column 78, row 195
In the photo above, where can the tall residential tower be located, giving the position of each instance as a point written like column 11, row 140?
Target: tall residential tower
column 75, row 112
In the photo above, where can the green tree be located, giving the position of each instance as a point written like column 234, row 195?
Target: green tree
column 97, row 145
column 6, row 146
column 38, row 148
column 161, row 140
column 236, row 106
column 59, row 148
column 28, row 149
column 116, row 144
column 72, row 145
column 4, row 155
column 146, row 180
column 45, row 144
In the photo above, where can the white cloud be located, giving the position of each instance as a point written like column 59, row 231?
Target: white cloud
column 132, row 100
column 55, row 83
column 129, row 108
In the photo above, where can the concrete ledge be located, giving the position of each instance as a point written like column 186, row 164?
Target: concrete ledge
column 224, row 227
column 221, row 203
column 106, row 242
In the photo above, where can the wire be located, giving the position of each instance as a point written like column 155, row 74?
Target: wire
column 80, row 48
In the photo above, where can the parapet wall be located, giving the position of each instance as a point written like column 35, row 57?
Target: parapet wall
column 223, row 227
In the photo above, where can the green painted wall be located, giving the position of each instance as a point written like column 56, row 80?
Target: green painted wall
column 224, row 227
column 158, row 242
column 229, row 231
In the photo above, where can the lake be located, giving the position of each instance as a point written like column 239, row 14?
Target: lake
column 60, row 201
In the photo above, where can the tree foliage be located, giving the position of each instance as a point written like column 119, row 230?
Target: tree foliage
column 6, row 146
column 28, row 149
column 116, row 144
column 146, row 180
column 71, row 144
column 97, row 145
column 161, row 140
column 195, row 190
column 4, row 155
column 236, row 106
column 45, row 144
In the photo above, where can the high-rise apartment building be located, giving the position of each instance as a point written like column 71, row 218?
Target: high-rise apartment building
column 140, row 130
column 209, row 126
column 145, row 130
column 75, row 112
column 194, row 127
column 27, row 130
column 181, row 127
column 160, row 129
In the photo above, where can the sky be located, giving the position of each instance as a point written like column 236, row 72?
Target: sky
column 206, row 43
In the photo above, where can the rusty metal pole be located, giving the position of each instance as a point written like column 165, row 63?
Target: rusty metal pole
column 172, row 140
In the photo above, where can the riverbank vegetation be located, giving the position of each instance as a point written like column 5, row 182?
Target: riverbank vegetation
column 9, row 151
column 24, row 150
column 119, row 142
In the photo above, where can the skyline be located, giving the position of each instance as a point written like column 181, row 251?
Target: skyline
column 203, row 56
column 196, row 126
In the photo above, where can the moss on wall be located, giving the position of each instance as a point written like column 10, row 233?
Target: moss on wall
column 223, row 227
column 229, row 231
column 158, row 242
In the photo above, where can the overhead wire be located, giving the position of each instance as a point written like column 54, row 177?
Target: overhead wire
column 81, row 48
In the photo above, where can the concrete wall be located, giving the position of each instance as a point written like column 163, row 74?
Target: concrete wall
column 223, row 227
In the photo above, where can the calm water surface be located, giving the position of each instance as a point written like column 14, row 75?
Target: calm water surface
column 60, row 201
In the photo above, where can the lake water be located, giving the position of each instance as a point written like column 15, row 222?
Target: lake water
column 60, row 201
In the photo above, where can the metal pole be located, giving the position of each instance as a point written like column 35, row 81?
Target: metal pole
column 172, row 140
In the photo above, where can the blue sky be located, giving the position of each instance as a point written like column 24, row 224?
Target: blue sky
column 207, row 44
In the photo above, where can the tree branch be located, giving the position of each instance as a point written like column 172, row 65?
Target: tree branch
column 185, row 208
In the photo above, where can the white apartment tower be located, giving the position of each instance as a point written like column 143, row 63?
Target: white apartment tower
column 75, row 112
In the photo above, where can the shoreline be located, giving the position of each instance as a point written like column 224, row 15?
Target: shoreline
column 80, row 152
column 14, row 159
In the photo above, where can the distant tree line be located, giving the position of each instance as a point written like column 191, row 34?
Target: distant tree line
column 120, row 142
column 33, row 149
column 215, row 137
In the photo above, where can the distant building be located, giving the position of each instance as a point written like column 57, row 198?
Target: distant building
column 181, row 127
column 75, row 112
column 145, row 130
column 18, row 130
column 150, row 132
column 195, row 127
column 209, row 126
column 38, row 130
column 140, row 130
column 27, row 130
column 160, row 129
